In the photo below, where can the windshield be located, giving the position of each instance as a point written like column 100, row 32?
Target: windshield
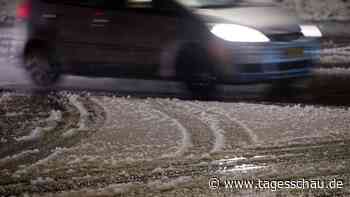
column 222, row 3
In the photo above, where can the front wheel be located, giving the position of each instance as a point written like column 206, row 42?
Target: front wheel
column 287, row 87
column 195, row 68
column 42, row 72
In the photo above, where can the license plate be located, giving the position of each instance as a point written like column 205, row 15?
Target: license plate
column 295, row 52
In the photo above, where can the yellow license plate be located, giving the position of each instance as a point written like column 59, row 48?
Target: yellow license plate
column 295, row 52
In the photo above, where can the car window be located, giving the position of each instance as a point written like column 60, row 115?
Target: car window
column 165, row 5
column 151, row 5
column 91, row 3
column 140, row 4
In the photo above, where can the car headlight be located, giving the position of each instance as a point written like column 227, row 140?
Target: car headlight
column 238, row 33
column 311, row 31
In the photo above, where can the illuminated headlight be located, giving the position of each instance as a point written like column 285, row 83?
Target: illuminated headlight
column 311, row 31
column 238, row 33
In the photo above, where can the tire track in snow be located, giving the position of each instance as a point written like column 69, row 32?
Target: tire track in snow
column 336, row 51
column 49, row 133
column 206, row 119
column 186, row 137
column 199, row 133
column 226, row 135
column 252, row 136
column 141, row 131
column 214, row 125
column 83, row 116
column 250, row 132
column 90, row 115
column 186, row 142
column 4, row 96
column 108, row 117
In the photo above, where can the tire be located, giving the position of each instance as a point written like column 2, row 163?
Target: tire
column 195, row 68
column 42, row 71
column 284, row 88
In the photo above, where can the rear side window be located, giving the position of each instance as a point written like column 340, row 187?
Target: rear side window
column 90, row 3
column 111, row 4
column 139, row 3
column 156, row 4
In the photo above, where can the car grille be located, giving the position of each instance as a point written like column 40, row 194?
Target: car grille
column 285, row 37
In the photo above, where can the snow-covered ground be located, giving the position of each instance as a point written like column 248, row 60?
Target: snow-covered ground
column 337, row 55
column 148, row 147
column 93, row 145
column 319, row 10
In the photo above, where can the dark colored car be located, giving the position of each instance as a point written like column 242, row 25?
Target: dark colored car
column 200, row 42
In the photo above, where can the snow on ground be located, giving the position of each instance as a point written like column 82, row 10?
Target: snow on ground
column 137, row 130
column 84, row 114
column 316, row 10
column 215, row 126
column 323, row 10
column 51, row 123
column 277, row 125
column 186, row 138
column 23, row 171
column 19, row 155
column 35, row 134
column 127, row 153
column 132, row 131
column 217, row 120
column 83, row 119
column 123, row 189
column 336, row 59
column 337, row 50
column 337, row 55
column 253, row 138
column 340, row 73
column 242, row 168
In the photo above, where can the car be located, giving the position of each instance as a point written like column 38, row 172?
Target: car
column 199, row 42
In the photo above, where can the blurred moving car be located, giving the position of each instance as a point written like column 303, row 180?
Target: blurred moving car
column 201, row 42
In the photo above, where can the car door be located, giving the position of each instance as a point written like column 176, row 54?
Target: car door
column 73, row 32
column 78, row 41
column 138, row 34
column 102, row 51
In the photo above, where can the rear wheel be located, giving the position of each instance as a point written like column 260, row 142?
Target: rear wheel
column 195, row 68
column 42, row 71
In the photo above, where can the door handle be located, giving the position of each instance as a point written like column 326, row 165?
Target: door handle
column 100, row 21
column 49, row 16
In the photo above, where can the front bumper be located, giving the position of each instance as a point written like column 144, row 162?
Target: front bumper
column 259, row 62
